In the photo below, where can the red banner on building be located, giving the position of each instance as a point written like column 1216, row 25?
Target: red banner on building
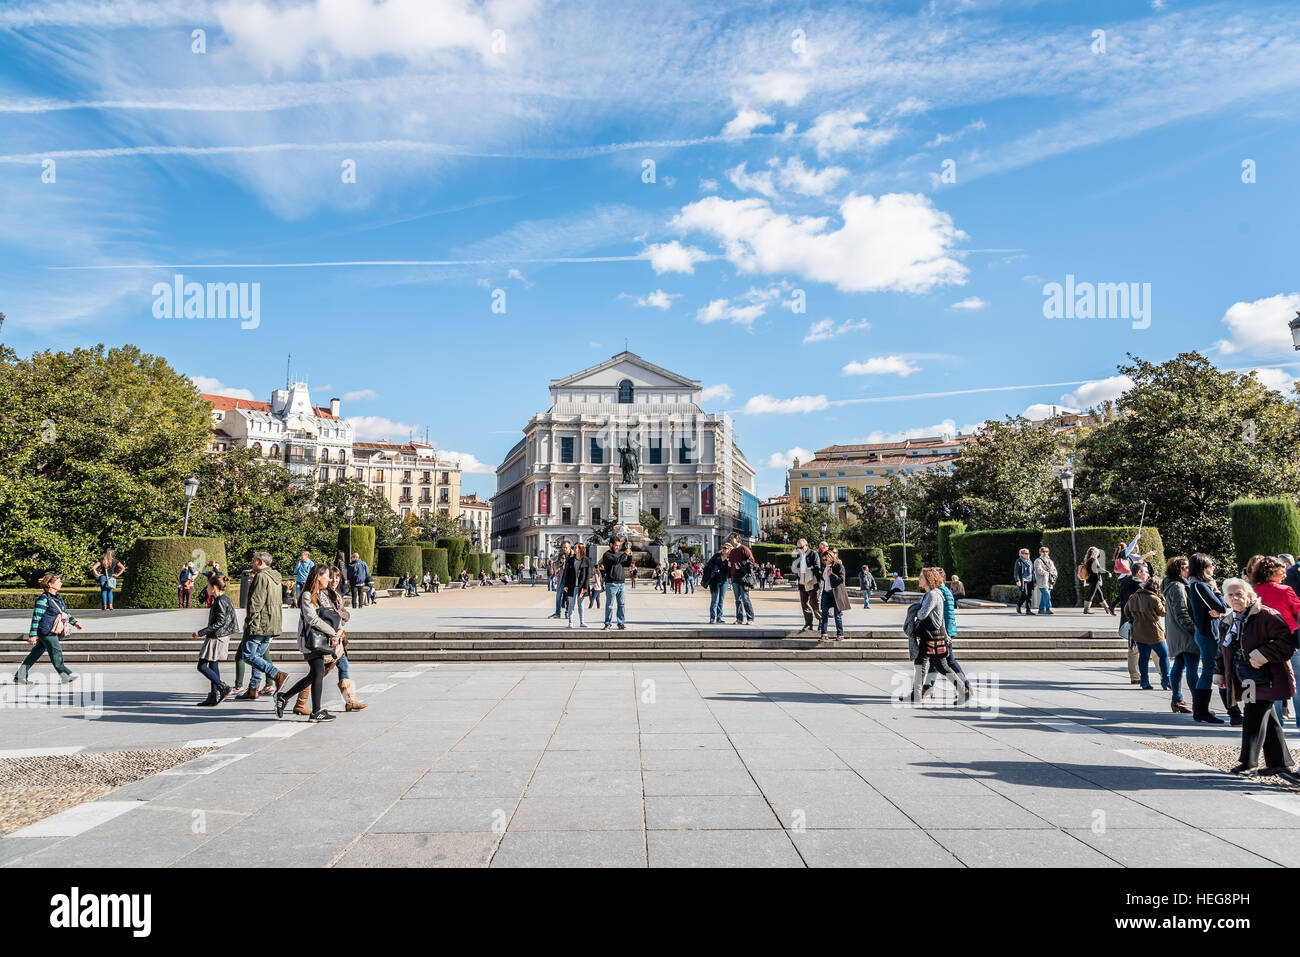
column 544, row 499
column 706, row 499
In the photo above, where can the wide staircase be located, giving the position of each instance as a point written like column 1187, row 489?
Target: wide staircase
column 730, row 642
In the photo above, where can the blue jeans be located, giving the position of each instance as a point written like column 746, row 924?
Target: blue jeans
column 105, row 596
column 828, row 605
column 569, row 602
column 1295, row 702
column 343, row 667
column 559, row 597
column 1144, row 662
column 253, row 650
column 866, row 598
column 614, row 593
column 743, row 604
column 1188, row 662
column 1044, row 599
column 717, row 592
column 1209, row 651
column 690, row 584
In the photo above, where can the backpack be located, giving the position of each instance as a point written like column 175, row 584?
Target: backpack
column 1081, row 572
column 710, row 571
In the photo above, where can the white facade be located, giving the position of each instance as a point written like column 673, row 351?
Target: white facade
column 476, row 516
column 312, row 442
column 560, row 481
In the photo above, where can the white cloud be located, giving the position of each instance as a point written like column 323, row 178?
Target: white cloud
column 1260, row 326
column 215, row 387
column 360, row 395
column 764, row 404
column 742, row 311
column 827, row 329
column 777, row 86
column 720, row 393
column 1042, row 410
column 673, row 257
column 708, row 186
column 970, row 302
column 1094, row 393
column 744, row 123
column 1279, row 380
column 760, row 182
column 897, row 242
column 839, row 131
column 468, row 463
column 882, row 365
column 809, row 182
column 376, row 428
column 785, row 460
column 910, row 106
column 658, row 299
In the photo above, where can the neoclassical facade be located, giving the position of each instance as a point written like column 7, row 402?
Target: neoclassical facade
column 560, row 481
column 311, row 441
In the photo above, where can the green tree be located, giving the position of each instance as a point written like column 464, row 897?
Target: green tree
column 1008, row 477
column 654, row 529
column 1189, row 439
column 805, row 520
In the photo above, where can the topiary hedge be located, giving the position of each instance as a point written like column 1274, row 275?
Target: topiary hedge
column 435, row 561
column 985, row 559
column 73, row 597
column 487, row 562
column 471, row 563
column 946, row 531
column 855, row 558
column 1264, row 526
column 363, row 543
column 516, row 560
column 154, row 566
column 456, row 549
column 398, row 560
column 915, row 561
column 1104, row 537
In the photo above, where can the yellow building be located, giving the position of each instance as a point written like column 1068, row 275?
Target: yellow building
column 412, row 476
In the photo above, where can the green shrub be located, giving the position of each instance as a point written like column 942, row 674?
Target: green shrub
column 1105, row 538
column 154, row 566
column 516, row 560
column 855, row 558
column 363, row 543
column 985, row 559
column 21, row 597
column 1007, row 594
column 471, row 563
column 946, row 531
column 383, row 581
column 435, row 561
column 399, row 560
column 487, row 562
column 1264, row 526
column 456, row 550
column 915, row 561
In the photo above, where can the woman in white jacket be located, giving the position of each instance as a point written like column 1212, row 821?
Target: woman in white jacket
column 929, row 637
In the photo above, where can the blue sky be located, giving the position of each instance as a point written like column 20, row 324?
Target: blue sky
column 853, row 212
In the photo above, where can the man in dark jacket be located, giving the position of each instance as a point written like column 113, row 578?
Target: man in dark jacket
column 358, row 573
column 1022, row 575
column 262, row 624
column 613, row 565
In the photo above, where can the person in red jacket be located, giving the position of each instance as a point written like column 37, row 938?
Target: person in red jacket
column 1269, row 581
column 741, row 560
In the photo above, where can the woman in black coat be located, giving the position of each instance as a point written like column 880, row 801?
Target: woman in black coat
column 1092, row 588
column 1254, row 666
column 222, row 623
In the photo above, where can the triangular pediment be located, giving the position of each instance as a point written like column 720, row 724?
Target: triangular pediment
column 625, row 365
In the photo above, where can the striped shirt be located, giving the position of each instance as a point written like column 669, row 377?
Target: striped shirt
column 42, row 607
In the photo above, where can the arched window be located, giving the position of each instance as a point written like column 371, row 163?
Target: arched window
column 275, row 451
column 625, row 392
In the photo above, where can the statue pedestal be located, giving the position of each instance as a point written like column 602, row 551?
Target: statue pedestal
column 629, row 503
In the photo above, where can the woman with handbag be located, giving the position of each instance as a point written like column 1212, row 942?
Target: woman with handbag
column 332, row 596
column 50, row 622
column 319, row 634
column 930, row 636
column 1253, row 665
column 835, row 597
column 105, row 572
column 1207, row 609
column 222, row 623
column 1095, row 571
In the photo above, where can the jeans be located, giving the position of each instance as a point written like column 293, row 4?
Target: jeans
column 717, row 592
column 743, row 605
column 1209, row 651
column 1295, row 702
column 559, row 598
column 343, row 667
column 357, row 599
column 569, row 602
column 828, row 606
column 614, row 593
column 1188, row 662
column 1144, row 662
column 690, row 584
column 866, row 598
column 253, row 650
column 106, row 596
column 1044, row 599
column 44, row 644
column 212, row 671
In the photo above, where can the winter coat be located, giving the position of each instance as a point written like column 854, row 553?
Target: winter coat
column 1044, row 572
column 1281, row 599
column 1146, row 610
column 1203, row 599
column 1263, row 630
column 265, row 596
column 1022, row 571
column 839, row 594
column 1180, row 630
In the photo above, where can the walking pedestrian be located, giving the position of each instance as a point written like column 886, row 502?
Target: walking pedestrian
column 924, row 625
column 834, row 595
column 1145, row 610
column 358, row 574
column 222, row 623
column 330, row 595
column 1095, row 571
column 1044, row 580
column 613, row 566
column 106, row 571
column 1268, row 584
column 319, row 634
column 560, row 569
column 262, row 624
column 1022, row 576
column 50, row 622
column 807, row 568
column 741, row 561
column 1208, row 609
column 950, row 629
column 866, row 582
column 717, row 572
column 576, row 585
column 1180, row 633
column 1253, row 666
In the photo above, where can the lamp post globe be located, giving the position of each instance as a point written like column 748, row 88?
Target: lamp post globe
column 1295, row 330
column 191, row 489
column 1067, row 485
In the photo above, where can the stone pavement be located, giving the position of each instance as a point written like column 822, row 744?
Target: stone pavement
column 658, row 764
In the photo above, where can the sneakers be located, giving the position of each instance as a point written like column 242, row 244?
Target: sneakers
column 68, row 678
column 249, row 695
column 280, row 701
column 321, row 715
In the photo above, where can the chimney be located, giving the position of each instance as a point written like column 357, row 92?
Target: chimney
column 334, row 408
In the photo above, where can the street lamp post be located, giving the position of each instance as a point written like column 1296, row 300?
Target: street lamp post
column 823, row 531
column 1067, row 483
column 350, row 511
column 191, row 488
column 1295, row 331
column 902, row 520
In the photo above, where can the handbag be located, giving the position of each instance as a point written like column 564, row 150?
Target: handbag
column 1126, row 630
column 317, row 643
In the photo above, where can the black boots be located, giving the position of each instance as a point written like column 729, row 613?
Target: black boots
column 1234, row 712
column 1201, row 707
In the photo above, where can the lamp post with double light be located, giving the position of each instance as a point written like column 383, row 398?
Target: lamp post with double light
column 1067, row 483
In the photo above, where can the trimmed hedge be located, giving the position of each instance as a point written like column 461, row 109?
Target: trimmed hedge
column 435, row 561
column 73, row 597
column 154, row 564
column 363, row 543
column 471, row 564
column 985, row 559
column 915, row 561
column 1007, row 594
column 456, row 550
column 487, row 562
column 1264, row 526
column 398, row 560
column 855, row 558
column 517, row 560
column 946, row 531
column 1104, row 537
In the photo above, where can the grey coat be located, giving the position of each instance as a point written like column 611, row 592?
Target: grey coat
column 1180, row 630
